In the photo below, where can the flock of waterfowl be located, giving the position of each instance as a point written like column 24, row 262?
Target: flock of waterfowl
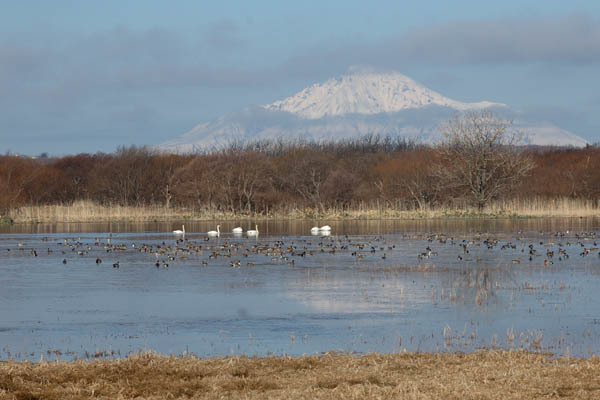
column 217, row 233
column 239, row 252
column 324, row 230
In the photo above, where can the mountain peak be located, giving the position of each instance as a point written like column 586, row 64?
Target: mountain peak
column 364, row 91
column 361, row 102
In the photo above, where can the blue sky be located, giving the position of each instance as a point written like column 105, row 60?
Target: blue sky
column 83, row 76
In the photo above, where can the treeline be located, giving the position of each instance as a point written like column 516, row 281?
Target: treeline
column 275, row 175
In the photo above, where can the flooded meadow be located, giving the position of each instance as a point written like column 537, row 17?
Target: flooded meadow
column 105, row 290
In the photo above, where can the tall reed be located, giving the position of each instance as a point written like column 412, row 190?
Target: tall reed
column 89, row 211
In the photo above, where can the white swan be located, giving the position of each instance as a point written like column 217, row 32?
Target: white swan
column 314, row 230
column 253, row 232
column 178, row 232
column 325, row 228
column 216, row 233
column 237, row 230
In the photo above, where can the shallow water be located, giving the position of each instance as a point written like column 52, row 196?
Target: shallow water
column 385, row 286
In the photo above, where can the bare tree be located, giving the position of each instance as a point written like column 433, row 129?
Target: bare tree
column 479, row 157
column 303, row 172
column 16, row 174
column 253, row 177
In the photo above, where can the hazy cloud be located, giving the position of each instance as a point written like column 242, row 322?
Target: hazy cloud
column 557, row 113
column 568, row 41
column 63, row 82
column 118, row 58
column 71, row 72
column 124, row 59
column 572, row 39
column 223, row 35
column 21, row 61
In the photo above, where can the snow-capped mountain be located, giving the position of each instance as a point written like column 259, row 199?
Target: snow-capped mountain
column 354, row 105
column 367, row 93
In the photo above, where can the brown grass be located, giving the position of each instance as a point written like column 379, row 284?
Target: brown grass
column 560, row 207
column 88, row 211
column 481, row 375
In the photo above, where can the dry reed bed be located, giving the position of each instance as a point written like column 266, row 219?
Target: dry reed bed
column 481, row 375
column 88, row 211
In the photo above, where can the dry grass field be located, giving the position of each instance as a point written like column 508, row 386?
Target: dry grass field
column 88, row 211
column 482, row 375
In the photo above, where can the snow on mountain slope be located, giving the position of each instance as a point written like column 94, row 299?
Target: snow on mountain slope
column 366, row 93
column 360, row 103
column 546, row 134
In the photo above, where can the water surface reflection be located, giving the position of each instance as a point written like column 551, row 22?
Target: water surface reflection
column 302, row 227
column 82, row 289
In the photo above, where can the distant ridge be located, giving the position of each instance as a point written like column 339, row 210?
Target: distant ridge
column 359, row 103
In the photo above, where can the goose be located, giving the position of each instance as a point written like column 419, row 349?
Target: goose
column 179, row 232
column 216, row 233
column 314, row 230
column 253, row 232
column 237, row 230
column 325, row 228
